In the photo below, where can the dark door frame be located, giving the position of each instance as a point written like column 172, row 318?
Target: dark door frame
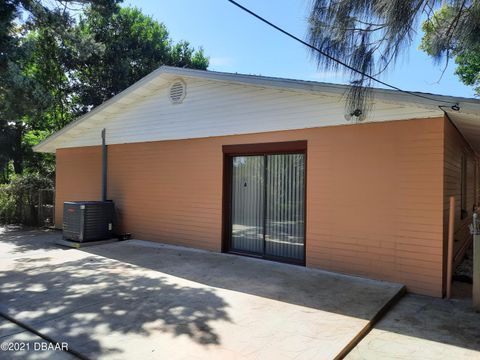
column 272, row 148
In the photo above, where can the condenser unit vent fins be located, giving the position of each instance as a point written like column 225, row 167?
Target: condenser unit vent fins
column 88, row 220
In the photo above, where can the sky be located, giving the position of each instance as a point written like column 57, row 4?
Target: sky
column 236, row 42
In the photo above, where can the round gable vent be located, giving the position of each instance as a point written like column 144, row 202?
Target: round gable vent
column 178, row 91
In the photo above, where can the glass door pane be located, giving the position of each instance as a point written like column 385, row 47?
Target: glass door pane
column 285, row 215
column 247, row 203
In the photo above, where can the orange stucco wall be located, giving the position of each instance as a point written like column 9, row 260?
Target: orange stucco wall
column 78, row 177
column 375, row 196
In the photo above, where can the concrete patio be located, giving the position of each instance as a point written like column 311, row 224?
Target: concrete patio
column 424, row 328
column 139, row 300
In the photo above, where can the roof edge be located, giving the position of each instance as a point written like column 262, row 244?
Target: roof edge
column 467, row 104
column 143, row 81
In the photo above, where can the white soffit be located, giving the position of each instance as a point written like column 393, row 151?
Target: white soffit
column 469, row 125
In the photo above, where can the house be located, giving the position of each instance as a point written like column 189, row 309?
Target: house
column 272, row 168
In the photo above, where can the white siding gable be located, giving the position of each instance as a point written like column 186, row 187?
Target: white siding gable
column 216, row 108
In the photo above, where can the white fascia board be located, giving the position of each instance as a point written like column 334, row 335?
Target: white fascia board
column 470, row 105
column 43, row 146
column 467, row 105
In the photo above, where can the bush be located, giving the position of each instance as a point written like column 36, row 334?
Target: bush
column 19, row 199
column 7, row 205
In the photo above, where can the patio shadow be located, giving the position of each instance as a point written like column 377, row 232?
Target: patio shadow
column 345, row 295
column 325, row 291
column 26, row 239
column 69, row 300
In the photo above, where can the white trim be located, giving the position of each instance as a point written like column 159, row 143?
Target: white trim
column 165, row 74
column 116, row 99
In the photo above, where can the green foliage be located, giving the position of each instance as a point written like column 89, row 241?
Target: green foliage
column 468, row 69
column 8, row 207
column 132, row 45
column 19, row 198
column 370, row 35
column 432, row 42
column 42, row 165
column 58, row 59
column 455, row 33
column 183, row 55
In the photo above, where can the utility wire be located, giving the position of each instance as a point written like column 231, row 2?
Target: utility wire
column 335, row 59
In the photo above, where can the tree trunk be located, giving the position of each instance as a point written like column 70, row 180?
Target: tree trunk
column 17, row 148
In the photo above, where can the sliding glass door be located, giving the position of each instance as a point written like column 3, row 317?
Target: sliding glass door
column 285, row 192
column 268, row 206
column 248, row 195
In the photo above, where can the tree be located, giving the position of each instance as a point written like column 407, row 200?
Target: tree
column 132, row 45
column 468, row 69
column 370, row 35
column 66, row 57
column 33, row 78
column 58, row 59
column 460, row 42
column 22, row 100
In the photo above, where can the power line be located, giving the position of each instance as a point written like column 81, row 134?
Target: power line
column 335, row 59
